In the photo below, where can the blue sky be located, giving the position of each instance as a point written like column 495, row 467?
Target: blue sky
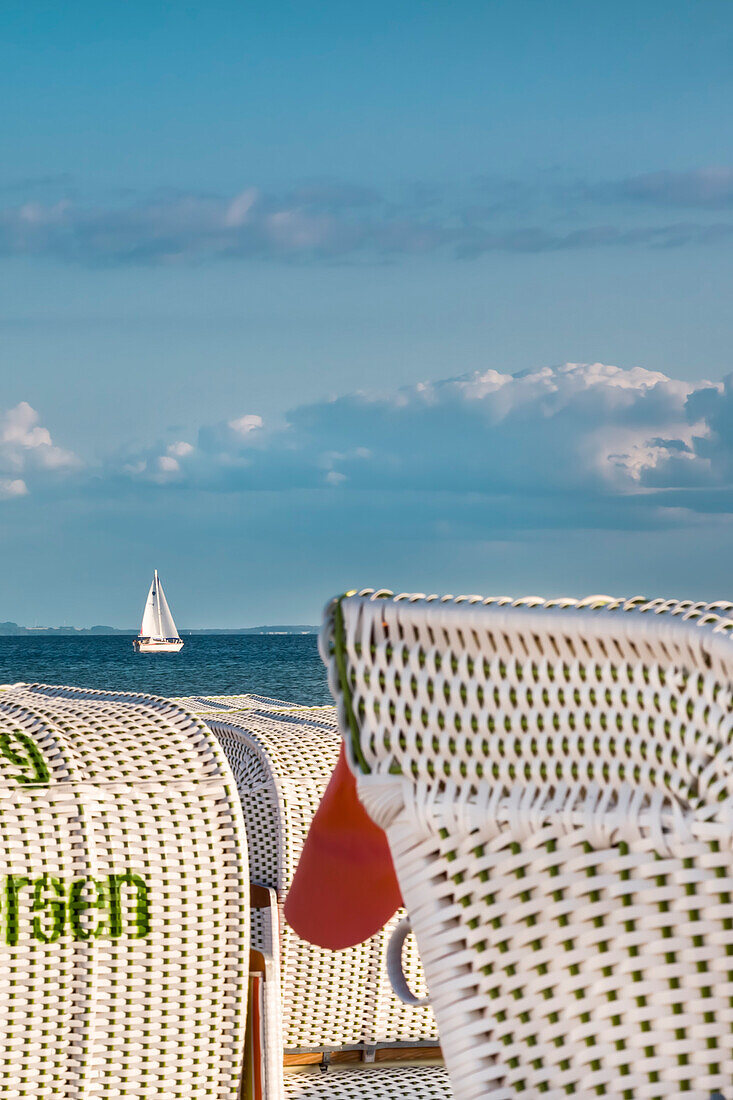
column 219, row 223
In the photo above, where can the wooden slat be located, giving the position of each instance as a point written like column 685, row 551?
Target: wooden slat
column 257, row 961
column 259, row 896
column 383, row 1054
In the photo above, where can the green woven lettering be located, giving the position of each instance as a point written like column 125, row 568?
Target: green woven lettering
column 34, row 769
column 79, row 904
column 58, row 906
column 55, row 905
column 142, row 912
column 13, row 885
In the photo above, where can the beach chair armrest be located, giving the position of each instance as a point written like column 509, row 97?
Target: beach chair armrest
column 265, row 959
column 265, row 956
column 262, row 897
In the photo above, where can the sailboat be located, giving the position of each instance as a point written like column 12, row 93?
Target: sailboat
column 158, row 632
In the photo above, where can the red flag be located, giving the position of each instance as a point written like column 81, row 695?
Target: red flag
column 344, row 889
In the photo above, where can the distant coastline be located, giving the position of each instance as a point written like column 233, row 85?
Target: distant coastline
column 10, row 630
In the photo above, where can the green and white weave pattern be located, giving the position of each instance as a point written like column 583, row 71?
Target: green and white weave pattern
column 556, row 782
column 123, row 900
column 282, row 756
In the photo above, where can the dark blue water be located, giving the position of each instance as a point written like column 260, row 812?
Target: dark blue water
column 286, row 666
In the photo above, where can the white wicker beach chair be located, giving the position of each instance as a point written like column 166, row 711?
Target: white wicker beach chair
column 328, row 1006
column 556, row 783
column 124, row 947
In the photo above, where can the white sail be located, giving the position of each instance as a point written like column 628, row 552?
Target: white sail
column 157, row 621
column 149, row 628
column 167, row 626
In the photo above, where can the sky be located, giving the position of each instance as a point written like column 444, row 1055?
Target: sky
column 296, row 298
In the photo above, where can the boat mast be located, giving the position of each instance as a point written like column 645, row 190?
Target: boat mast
column 157, row 603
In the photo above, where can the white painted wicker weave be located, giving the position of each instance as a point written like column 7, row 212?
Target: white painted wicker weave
column 556, row 783
column 283, row 756
column 370, row 1083
column 124, row 908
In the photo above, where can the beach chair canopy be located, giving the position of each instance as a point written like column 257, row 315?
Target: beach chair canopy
column 329, row 1005
column 123, row 901
column 555, row 780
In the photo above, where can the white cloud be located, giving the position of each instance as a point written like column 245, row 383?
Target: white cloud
column 27, row 452
column 19, row 426
column 168, row 465
column 559, row 441
column 239, row 208
column 243, row 425
column 180, row 449
column 10, row 488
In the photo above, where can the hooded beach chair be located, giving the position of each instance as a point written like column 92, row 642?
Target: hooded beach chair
column 556, row 784
column 333, row 1028
column 124, row 946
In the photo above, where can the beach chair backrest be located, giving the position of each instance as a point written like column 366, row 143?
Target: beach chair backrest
column 283, row 760
column 556, row 783
column 124, row 947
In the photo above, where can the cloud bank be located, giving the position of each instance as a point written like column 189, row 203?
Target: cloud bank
column 578, row 446
column 340, row 221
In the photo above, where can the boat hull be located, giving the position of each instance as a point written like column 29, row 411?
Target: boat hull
column 149, row 645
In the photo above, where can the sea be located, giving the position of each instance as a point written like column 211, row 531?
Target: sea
column 285, row 666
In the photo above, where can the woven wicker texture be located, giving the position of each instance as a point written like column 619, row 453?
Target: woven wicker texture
column 395, row 1083
column 556, row 784
column 282, row 757
column 123, row 936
